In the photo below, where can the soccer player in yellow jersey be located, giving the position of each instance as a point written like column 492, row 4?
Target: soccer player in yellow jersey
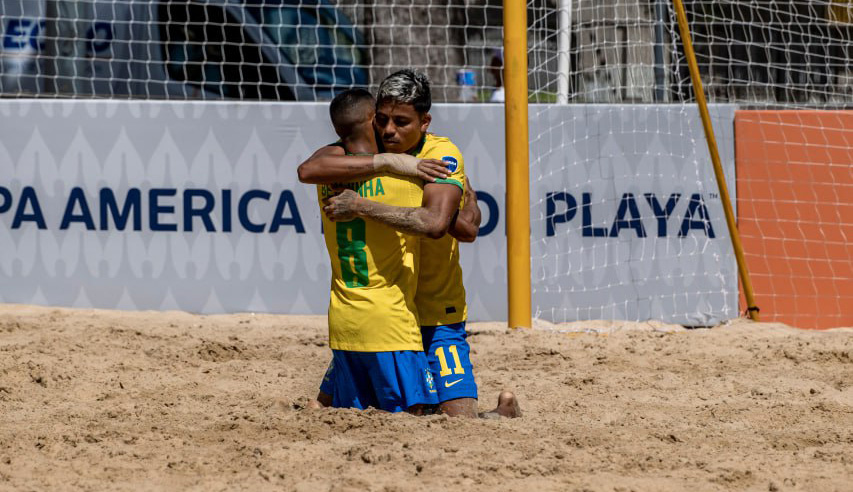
column 378, row 357
column 402, row 119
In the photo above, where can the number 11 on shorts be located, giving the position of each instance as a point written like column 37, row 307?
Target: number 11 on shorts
column 442, row 361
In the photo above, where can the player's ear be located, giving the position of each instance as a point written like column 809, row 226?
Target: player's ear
column 426, row 119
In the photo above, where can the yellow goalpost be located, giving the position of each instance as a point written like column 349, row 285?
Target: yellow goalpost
column 517, row 164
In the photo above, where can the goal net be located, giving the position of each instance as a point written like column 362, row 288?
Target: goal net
column 626, row 218
column 628, row 223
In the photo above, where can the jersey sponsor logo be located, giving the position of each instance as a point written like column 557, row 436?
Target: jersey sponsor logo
column 451, row 163
column 448, row 384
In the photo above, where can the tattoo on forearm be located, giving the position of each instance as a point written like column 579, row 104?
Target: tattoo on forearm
column 404, row 219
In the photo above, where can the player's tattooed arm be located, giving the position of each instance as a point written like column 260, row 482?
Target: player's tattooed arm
column 331, row 165
column 348, row 205
column 466, row 225
column 431, row 220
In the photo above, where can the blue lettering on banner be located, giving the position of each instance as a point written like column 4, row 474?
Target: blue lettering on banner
column 662, row 213
column 695, row 208
column 226, row 210
column 6, row 204
column 29, row 198
column 203, row 213
column 132, row 205
column 627, row 205
column 17, row 34
column 561, row 207
column 168, row 209
column 494, row 213
column 286, row 200
column 155, row 209
column 100, row 36
column 75, row 199
column 551, row 216
column 21, row 32
column 243, row 210
column 588, row 230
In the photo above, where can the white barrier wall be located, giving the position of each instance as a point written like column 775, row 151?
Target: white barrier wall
column 196, row 206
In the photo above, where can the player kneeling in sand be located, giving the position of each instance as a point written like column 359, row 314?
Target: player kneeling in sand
column 402, row 120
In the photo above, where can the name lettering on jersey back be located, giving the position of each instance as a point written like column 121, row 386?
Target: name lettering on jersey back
column 367, row 189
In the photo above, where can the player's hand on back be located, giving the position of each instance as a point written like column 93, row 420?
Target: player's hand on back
column 341, row 207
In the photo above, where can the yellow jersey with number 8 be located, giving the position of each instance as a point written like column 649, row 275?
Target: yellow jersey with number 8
column 441, row 296
column 374, row 272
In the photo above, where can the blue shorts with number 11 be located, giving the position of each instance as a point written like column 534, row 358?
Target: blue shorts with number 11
column 448, row 354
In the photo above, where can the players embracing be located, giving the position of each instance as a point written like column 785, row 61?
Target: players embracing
column 448, row 205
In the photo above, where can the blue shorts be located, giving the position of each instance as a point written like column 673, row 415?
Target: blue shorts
column 391, row 381
column 449, row 359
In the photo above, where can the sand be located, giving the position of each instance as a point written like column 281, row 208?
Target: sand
column 95, row 400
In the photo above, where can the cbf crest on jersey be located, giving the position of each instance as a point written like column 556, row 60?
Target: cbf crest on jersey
column 451, row 163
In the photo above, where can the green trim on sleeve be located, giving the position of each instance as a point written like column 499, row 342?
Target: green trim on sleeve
column 451, row 181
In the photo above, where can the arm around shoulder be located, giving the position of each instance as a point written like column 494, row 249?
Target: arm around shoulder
column 330, row 165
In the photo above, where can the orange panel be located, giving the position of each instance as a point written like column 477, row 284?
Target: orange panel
column 795, row 213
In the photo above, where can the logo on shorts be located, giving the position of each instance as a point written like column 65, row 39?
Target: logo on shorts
column 448, row 384
column 328, row 376
column 430, row 381
column 451, row 163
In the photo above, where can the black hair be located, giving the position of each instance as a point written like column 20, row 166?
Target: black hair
column 347, row 109
column 406, row 86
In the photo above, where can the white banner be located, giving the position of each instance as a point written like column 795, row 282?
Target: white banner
column 196, row 206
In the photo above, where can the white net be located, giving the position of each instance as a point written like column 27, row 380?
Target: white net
column 244, row 49
column 614, row 51
column 627, row 222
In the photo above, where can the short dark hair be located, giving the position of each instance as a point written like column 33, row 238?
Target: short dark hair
column 406, row 86
column 347, row 109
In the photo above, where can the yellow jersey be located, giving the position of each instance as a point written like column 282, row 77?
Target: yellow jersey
column 440, row 297
column 374, row 272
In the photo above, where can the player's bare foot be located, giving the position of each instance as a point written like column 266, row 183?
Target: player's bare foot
column 508, row 407
column 323, row 400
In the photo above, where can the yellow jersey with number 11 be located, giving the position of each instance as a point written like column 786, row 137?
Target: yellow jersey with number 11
column 374, row 272
column 441, row 296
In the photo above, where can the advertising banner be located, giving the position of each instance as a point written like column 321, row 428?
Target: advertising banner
column 196, row 206
column 626, row 218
